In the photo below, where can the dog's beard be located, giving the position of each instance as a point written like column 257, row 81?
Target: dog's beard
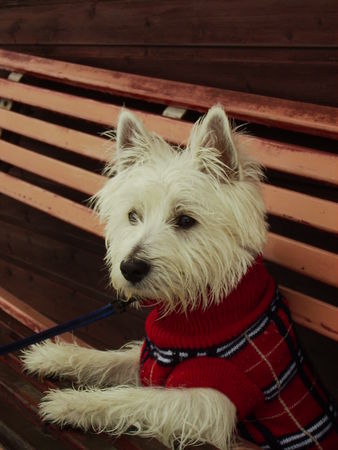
column 173, row 293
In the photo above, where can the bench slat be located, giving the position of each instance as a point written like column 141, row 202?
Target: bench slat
column 312, row 313
column 287, row 114
column 294, row 159
column 279, row 156
column 65, row 138
column 302, row 258
column 60, row 172
column 317, row 212
column 50, row 203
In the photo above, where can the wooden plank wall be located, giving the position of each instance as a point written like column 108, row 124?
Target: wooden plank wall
column 285, row 48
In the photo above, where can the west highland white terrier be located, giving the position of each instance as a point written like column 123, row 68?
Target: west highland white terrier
column 185, row 230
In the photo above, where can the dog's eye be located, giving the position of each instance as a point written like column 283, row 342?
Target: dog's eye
column 185, row 221
column 132, row 216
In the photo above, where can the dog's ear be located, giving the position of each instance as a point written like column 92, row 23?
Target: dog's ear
column 211, row 140
column 130, row 139
column 129, row 129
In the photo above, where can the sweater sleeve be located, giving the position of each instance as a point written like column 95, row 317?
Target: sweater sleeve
column 219, row 374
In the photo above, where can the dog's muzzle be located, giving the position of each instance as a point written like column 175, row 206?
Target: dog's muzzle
column 134, row 270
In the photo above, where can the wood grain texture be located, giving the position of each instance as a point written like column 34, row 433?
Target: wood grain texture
column 50, row 203
column 60, row 172
column 303, row 208
column 276, row 155
column 170, row 22
column 296, row 206
column 30, row 317
column 285, row 114
column 302, row 258
column 282, row 49
column 62, row 137
column 292, row 73
column 312, row 313
column 72, row 262
column 61, row 303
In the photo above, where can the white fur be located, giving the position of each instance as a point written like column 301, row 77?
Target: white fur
column 84, row 365
column 189, row 416
column 202, row 264
column 169, row 415
column 216, row 184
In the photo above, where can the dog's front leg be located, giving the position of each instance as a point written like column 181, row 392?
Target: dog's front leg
column 84, row 365
column 172, row 415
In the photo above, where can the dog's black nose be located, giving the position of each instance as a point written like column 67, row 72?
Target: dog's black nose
column 134, row 270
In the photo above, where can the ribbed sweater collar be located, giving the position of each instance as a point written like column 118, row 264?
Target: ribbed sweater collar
column 207, row 327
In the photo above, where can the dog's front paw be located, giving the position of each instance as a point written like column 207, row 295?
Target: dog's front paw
column 61, row 407
column 43, row 359
column 37, row 359
column 52, row 359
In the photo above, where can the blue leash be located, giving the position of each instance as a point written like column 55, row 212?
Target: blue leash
column 82, row 321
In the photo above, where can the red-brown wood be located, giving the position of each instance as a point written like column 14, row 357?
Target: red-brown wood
column 302, row 258
column 293, row 159
column 290, row 73
column 42, row 247
column 303, row 208
column 171, row 23
column 58, row 299
column 297, row 116
column 289, row 204
column 276, row 49
column 312, row 313
column 50, row 203
column 288, row 158
column 29, row 317
column 60, row 172
column 65, row 138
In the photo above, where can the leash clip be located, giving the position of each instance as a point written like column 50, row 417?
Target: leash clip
column 120, row 306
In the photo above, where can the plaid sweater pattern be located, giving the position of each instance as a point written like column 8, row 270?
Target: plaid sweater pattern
column 246, row 348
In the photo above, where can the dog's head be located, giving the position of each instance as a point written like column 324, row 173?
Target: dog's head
column 182, row 226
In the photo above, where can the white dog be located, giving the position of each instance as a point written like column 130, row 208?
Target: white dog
column 184, row 231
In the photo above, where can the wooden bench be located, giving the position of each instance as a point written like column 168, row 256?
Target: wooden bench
column 52, row 246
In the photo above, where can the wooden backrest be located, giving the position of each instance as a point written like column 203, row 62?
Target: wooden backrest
column 292, row 160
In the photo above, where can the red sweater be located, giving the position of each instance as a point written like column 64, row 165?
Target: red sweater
column 246, row 348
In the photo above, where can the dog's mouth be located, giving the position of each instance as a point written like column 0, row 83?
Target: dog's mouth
column 137, row 290
column 137, row 302
column 144, row 292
